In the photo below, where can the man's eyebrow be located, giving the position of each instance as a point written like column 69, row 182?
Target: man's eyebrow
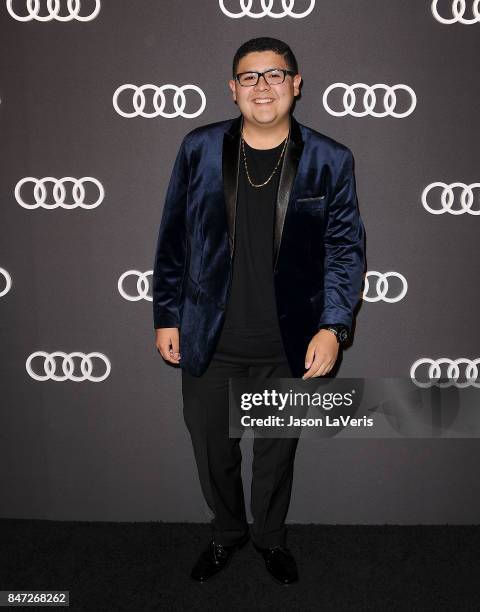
column 273, row 68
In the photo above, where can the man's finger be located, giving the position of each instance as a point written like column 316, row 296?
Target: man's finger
column 175, row 350
column 310, row 355
column 167, row 354
column 318, row 362
column 323, row 369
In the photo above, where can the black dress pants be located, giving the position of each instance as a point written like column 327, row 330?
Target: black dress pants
column 219, row 457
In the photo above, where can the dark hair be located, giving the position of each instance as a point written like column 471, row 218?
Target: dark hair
column 265, row 43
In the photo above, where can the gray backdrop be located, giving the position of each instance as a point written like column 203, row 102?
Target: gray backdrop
column 118, row 449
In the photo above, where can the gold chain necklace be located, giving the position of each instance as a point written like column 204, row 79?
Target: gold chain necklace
column 274, row 170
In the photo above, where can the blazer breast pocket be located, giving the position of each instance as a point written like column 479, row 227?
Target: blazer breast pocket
column 314, row 205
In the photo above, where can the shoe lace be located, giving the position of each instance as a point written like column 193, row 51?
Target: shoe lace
column 278, row 548
column 219, row 551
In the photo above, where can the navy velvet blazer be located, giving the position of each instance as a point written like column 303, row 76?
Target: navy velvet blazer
column 318, row 256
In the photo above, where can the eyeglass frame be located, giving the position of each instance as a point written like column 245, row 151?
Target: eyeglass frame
column 261, row 74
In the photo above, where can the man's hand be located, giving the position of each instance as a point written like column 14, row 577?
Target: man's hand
column 321, row 354
column 167, row 340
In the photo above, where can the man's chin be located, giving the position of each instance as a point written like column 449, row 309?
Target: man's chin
column 264, row 118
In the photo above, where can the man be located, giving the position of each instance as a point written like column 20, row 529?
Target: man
column 258, row 268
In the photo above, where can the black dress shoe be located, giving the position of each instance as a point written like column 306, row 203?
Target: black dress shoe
column 280, row 563
column 214, row 558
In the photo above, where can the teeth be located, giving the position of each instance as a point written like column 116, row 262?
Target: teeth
column 263, row 100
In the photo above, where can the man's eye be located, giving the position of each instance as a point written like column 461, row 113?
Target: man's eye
column 248, row 77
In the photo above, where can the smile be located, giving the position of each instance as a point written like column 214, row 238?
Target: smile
column 263, row 100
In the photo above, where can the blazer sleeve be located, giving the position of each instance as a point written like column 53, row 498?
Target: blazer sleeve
column 171, row 249
column 344, row 263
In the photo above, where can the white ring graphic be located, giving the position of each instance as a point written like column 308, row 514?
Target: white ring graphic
column 267, row 6
column 8, row 282
column 59, row 192
column 453, row 372
column 369, row 100
column 381, row 287
column 447, row 198
column 53, row 8
column 179, row 101
column 459, row 8
column 68, row 365
column 142, row 286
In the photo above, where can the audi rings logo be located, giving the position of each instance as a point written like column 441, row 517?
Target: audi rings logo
column 8, row 282
column 53, row 7
column 68, row 366
column 142, row 285
column 369, row 100
column 179, row 101
column 59, row 192
column 267, row 6
column 452, row 372
column 447, row 198
column 459, row 8
column 382, row 286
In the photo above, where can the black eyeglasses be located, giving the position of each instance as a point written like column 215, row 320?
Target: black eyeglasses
column 273, row 76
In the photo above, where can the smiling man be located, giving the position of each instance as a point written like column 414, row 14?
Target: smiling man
column 258, row 269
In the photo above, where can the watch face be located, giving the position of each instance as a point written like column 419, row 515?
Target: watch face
column 343, row 335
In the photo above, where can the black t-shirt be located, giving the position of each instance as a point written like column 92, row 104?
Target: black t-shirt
column 251, row 323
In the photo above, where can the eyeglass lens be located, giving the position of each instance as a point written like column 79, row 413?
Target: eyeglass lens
column 273, row 77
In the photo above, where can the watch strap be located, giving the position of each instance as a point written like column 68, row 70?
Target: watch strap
column 340, row 331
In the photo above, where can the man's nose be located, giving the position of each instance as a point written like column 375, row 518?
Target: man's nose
column 262, row 83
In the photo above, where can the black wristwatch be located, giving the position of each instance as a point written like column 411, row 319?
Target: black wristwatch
column 340, row 331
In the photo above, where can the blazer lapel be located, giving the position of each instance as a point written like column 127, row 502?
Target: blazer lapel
column 230, row 169
column 291, row 158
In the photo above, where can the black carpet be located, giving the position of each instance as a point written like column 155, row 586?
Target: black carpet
column 146, row 566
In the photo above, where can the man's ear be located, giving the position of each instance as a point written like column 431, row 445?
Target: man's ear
column 297, row 79
column 231, row 84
